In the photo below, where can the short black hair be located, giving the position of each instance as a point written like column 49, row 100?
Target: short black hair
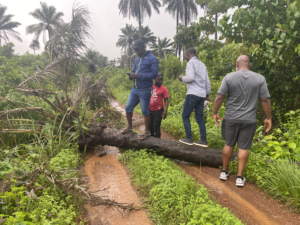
column 191, row 51
column 160, row 75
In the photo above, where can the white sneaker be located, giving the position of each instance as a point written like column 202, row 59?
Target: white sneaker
column 240, row 181
column 224, row 174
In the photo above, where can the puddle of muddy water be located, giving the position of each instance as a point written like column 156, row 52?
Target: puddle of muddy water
column 107, row 174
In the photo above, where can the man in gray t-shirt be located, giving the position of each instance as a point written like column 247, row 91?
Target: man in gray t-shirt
column 243, row 89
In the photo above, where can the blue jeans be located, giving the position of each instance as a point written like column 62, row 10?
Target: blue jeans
column 194, row 102
column 141, row 96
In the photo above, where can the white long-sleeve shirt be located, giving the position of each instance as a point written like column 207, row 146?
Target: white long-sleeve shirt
column 196, row 78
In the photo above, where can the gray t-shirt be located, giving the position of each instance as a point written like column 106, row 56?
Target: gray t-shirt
column 244, row 88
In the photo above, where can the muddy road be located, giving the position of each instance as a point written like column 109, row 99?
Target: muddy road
column 250, row 204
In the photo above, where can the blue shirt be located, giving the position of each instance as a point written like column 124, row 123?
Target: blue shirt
column 147, row 69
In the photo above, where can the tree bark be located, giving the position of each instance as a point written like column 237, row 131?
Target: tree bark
column 140, row 21
column 216, row 24
column 185, row 12
column 166, row 147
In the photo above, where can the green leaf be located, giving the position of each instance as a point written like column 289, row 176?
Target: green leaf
column 277, row 32
column 282, row 36
column 292, row 24
column 278, row 148
column 292, row 145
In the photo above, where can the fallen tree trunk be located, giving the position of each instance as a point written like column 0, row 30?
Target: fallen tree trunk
column 166, row 147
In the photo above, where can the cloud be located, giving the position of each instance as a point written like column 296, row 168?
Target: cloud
column 105, row 18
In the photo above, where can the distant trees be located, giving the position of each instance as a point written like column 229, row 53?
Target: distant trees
column 93, row 59
column 7, row 50
column 162, row 47
column 138, row 9
column 49, row 20
column 35, row 45
column 182, row 10
column 7, row 26
column 146, row 35
column 126, row 39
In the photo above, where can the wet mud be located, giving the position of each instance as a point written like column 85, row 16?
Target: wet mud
column 108, row 176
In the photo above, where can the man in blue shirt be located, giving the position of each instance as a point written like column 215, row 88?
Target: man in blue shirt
column 145, row 70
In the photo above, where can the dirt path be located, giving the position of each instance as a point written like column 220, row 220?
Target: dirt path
column 250, row 204
column 108, row 175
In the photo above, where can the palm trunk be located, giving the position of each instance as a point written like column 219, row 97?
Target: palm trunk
column 216, row 24
column 129, row 56
column 169, row 148
column 177, row 21
column 49, row 33
column 140, row 22
column 185, row 12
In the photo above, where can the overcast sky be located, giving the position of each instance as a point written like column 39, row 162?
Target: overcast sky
column 105, row 18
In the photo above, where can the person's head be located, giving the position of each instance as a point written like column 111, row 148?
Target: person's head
column 139, row 47
column 159, row 79
column 190, row 53
column 243, row 63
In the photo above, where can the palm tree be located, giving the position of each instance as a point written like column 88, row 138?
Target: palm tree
column 35, row 45
column 184, row 10
column 138, row 9
column 190, row 11
column 93, row 59
column 71, row 38
column 49, row 19
column 162, row 47
column 126, row 39
column 7, row 26
column 147, row 35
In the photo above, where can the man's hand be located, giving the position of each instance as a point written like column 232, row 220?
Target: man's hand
column 268, row 124
column 134, row 76
column 180, row 77
column 164, row 115
column 216, row 119
column 207, row 98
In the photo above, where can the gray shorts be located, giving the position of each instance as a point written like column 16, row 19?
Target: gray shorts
column 240, row 133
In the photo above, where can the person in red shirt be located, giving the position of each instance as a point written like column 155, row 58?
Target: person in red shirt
column 159, row 103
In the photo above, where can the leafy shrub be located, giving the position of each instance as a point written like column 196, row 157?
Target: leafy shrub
column 171, row 196
column 284, row 142
column 49, row 208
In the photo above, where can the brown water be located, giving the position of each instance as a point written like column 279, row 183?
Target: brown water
column 108, row 174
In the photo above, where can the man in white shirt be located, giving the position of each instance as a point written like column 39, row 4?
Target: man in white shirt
column 198, row 90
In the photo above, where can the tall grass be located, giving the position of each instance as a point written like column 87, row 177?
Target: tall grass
column 284, row 183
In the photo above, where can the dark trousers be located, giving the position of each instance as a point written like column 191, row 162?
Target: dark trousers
column 193, row 102
column 155, row 122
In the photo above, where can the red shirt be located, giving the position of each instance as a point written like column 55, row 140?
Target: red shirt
column 158, row 94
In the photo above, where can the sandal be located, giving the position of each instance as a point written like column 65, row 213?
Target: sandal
column 144, row 135
column 126, row 129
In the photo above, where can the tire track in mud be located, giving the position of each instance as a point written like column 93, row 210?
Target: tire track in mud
column 250, row 204
column 108, row 175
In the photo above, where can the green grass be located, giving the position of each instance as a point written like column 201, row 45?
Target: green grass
column 170, row 195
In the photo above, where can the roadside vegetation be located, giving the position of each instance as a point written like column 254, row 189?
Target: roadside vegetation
column 170, row 195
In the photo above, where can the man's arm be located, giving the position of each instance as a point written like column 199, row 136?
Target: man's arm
column 153, row 74
column 266, row 105
column 207, row 85
column 166, row 101
column 217, row 104
column 131, row 77
column 190, row 73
